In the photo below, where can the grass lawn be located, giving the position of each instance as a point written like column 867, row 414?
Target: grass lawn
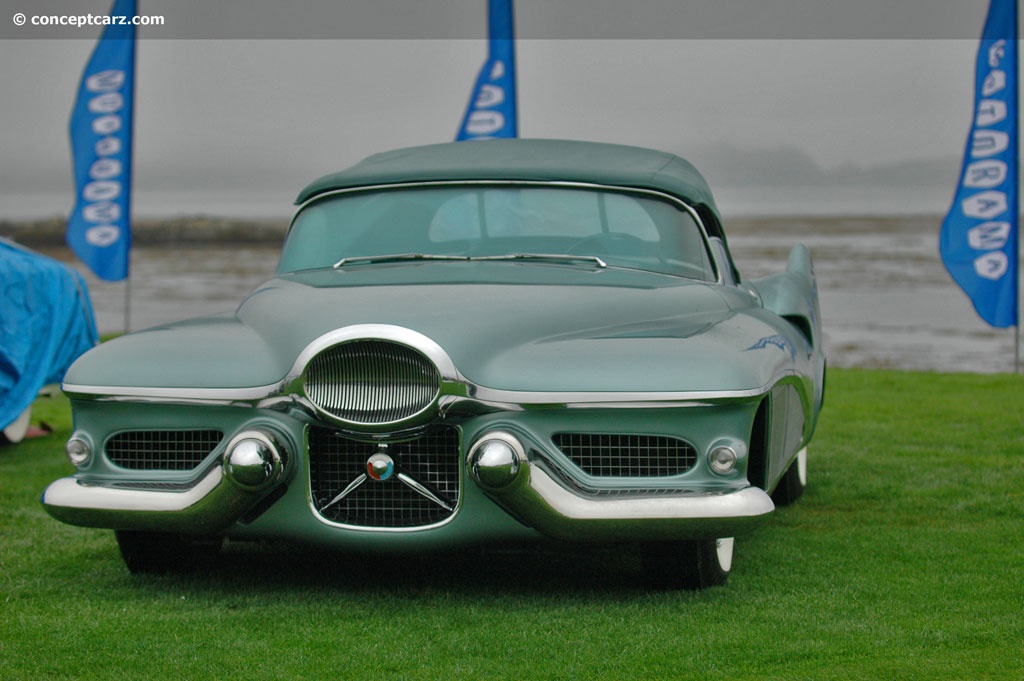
column 904, row 560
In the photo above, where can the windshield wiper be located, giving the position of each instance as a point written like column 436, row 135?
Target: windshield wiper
column 395, row 257
column 551, row 257
column 407, row 257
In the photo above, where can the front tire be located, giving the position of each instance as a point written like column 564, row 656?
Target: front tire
column 794, row 481
column 690, row 565
column 158, row 552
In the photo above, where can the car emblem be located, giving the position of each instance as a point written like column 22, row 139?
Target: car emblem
column 380, row 467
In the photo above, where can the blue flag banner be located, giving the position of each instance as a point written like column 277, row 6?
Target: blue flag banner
column 99, row 229
column 492, row 108
column 978, row 243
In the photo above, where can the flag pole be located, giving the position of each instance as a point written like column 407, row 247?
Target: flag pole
column 1016, row 160
column 131, row 185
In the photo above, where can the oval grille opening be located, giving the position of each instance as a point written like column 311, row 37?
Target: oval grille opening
column 371, row 382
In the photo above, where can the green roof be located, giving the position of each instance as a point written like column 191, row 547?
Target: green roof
column 525, row 160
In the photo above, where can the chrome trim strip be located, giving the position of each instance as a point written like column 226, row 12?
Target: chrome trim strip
column 257, row 397
column 455, row 387
column 224, row 396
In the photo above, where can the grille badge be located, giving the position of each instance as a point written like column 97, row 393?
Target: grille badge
column 380, row 467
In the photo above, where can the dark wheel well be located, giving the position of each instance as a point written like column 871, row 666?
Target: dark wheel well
column 757, row 463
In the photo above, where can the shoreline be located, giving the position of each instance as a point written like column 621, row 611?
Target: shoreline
column 204, row 229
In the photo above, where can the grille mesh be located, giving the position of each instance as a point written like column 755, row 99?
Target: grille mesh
column 432, row 460
column 627, row 456
column 162, row 450
column 371, row 381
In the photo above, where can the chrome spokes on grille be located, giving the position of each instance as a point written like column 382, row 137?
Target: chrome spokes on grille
column 371, row 382
column 401, row 485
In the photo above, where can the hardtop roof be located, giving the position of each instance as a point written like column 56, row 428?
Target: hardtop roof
column 525, row 160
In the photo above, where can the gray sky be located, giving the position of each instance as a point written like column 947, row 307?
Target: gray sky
column 236, row 117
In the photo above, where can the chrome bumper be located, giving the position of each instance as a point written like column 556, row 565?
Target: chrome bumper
column 208, row 507
column 553, row 510
column 216, row 502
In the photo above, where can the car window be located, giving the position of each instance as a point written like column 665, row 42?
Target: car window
column 623, row 229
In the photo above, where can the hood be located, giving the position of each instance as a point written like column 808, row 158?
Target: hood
column 512, row 326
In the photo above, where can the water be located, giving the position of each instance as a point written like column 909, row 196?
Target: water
column 886, row 300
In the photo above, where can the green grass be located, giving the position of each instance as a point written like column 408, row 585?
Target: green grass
column 902, row 561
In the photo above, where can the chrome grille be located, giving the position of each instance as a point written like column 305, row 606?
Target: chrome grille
column 627, row 456
column 371, row 382
column 162, row 450
column 431, row 462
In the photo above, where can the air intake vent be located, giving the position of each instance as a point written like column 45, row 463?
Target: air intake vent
column 371, row 382
column 627, row 456
column 423, row 489
column 161, row 450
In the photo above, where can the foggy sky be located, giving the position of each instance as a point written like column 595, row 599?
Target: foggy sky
column 228, row 110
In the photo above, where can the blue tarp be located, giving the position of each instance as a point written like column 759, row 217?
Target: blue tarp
column 46, row 322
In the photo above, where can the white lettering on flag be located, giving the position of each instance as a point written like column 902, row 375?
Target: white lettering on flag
column 485, row 122
column 105, row 81
column 992, row 266
column 102, row 236
column 990, row 112
column 985, row 205
column 988, row 236
column 985, row 174
column 988, row 143
column 994, row 82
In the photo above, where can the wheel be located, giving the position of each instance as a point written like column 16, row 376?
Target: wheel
column 157, row 552
column 690, row 565
column 794, row 481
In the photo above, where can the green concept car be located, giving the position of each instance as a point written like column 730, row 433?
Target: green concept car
column 467, row 344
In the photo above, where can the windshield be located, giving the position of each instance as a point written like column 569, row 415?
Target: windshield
column 616, row 228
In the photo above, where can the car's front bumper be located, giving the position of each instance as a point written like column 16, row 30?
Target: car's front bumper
column 213, row 504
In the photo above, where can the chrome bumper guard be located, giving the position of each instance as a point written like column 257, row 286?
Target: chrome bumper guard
column 553, row 510
column 211, row 505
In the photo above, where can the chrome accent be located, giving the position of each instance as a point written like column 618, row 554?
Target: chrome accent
column 495, row 460
column 554, row 257
column 371, row 382
column 380, row 466
column 78, row 450
column 396, row 257
column 352, row 487
column 553, row 510
column 253, row 460
column 733, row 450
column 454, row 389
column 627, row 455
column 208, row 505
column 722, row 460
column 424, row 491
column 466, row 392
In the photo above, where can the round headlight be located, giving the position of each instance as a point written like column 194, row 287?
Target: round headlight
column 722, row 459
column 79, row 452
column 494, row 461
